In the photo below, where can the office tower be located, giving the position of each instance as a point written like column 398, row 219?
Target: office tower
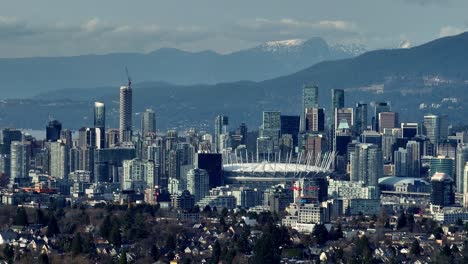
column 387, row 120
column 310, row 96
column 366, row 164
column 138, row 175
column 66, row 137
column 53, row 130
column 59, row 160
column 108, row 161
column 271, row 126
column 82, row 159
column 125, row 128
column 465, row 186
column 148, row 122
column 379, row 108
column 198, row 183
column 389, row 138
column 413, row 161
column 213, row 164
column 265, row 149
column 315, row 145
column 344, row 115
column 9, row 135
column 360, row 121
column 314, row 190
column 242, row 131
column 290, row 125
column 443, row 127
column 436, row 129
column 19, row 163
column 442, row 164
column 309, row 100
column 462, row 159
column 112, row 137
column 409, row 130
column 401, row 162
column 337, row 101
column 314, row 120
column 87, row 137
column 221, row 124
column 447, row 148
column 442, row 193
column 171, row 139
column 100, row 124
column 371, row 137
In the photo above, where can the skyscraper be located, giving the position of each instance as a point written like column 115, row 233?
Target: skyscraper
column 310, row 96
column 271, row 126
column 221, row 123
column 314, row 120
column 337, row 100
column 387, row 120
column 360, row 123
column 290, row 125
column 413, row 159
column 442, row 189
column 379, row 108
column 100, row 124
column 213, row 164
column 138, row 175
column 366, row 164
column 198, row 183
column 125, row 128
column 19, row 163
column 344, row 115
column 58, row 160
column 53, row 130
column 148, row 122
column 462, row 158
column 409, row 130
column 433, row 129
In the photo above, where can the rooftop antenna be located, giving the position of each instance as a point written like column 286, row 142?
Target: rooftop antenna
column 128, row 78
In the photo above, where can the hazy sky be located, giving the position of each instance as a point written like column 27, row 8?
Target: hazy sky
column 71, row 27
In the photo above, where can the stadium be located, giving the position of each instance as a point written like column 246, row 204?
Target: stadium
column 265, row 174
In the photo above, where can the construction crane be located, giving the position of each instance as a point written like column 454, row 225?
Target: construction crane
column 128, row 77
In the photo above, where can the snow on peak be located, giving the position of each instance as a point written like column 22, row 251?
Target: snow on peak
column 273, row 46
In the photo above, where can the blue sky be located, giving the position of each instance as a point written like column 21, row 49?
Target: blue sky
column 63, row 27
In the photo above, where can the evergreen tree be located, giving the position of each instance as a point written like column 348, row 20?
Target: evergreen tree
column 115, row 237
column 106, row 227
column 77, row 245
column 21, row 217
column 415, row 248
column 154, row 251
column 43, row 259
column 8, row 253
column 402, row 221
column 40, row 218
column 265, row 250
column 216, row 252
column 170, row 243
column 52, row 227
column 123, row 257
column 320, row 234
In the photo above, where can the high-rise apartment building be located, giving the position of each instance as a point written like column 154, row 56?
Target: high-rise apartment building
column 19, row 162
column 337, row 101
column 100, row 124
column 366, row 164
column 148, row 122
column 198, row 183
column 53, row 130
column 221, row 124
column 125, row 127
column 360, row 121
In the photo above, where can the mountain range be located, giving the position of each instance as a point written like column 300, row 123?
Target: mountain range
column 430, row 78
column 28, row 76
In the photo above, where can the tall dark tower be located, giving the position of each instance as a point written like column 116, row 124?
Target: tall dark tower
column 337, row 100
column 100, row 124
column 53, row 129
column 125, row 128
